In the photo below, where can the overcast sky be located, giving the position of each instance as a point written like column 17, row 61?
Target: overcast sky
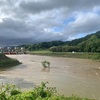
column 31, row 21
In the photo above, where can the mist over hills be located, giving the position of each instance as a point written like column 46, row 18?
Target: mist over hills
column 15, row 42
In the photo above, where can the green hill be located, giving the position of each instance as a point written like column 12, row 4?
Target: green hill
column 89, row 43
column 77, row 41
column 92, row 44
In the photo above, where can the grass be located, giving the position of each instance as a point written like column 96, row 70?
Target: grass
column 6, row 62
column 94, row 56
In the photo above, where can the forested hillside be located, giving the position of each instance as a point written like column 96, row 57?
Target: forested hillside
column 89, row 43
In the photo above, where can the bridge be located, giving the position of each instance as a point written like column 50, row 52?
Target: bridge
column 12, row 50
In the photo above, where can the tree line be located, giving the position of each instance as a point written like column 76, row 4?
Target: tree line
column 89, row 43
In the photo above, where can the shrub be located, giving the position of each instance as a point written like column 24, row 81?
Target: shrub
column 46, row 64
column 42, row 92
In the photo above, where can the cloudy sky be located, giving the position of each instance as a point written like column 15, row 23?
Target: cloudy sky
column 31, row 21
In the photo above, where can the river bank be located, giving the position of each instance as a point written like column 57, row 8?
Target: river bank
column 85, row 55
column 6, row 62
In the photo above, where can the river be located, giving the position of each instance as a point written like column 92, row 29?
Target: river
column 69, row 75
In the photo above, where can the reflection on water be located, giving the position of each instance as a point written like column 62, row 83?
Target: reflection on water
column 46, row 69
column 70, row 75
column 17, row 81
column 22, row 83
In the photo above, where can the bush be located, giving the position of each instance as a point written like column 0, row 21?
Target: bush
column 46, row 64
column 42, row 92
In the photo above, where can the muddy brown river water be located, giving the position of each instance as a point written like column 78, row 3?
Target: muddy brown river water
column 69, row 75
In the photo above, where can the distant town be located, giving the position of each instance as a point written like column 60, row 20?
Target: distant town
column 12, row 50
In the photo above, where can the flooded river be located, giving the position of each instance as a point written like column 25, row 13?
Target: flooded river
column 69, row 75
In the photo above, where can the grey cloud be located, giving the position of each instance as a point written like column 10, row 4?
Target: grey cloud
column 36, row 7
column 18, row 32
column 86, row 25
column 28, row 21
column 12, row 28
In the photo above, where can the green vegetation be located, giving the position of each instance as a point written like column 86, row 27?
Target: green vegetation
column 86, row 55
column 89, row 43
column 46, row 64
column 6, row 62
column 86, row 47
column 43, row 45
column 42, row 92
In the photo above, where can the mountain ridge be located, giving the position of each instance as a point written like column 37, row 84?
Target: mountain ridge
column 89, row 43
column 76, row 41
